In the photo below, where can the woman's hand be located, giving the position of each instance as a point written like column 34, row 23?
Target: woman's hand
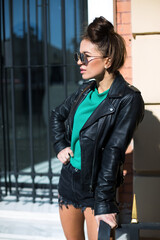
column 64, row 155
column 108, row 218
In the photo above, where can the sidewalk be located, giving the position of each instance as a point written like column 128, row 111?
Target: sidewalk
column 25, row 220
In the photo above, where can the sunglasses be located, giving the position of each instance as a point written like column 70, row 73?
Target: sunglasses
column 84, row 58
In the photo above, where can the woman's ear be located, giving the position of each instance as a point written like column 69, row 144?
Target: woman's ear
column 107, row 63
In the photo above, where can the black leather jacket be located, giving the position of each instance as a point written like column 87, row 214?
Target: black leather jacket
column 103, row 138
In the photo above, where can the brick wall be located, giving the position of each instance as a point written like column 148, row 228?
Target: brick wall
column 123, row 9
column 124, row 28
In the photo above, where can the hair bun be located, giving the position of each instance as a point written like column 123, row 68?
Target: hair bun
column 100, row 28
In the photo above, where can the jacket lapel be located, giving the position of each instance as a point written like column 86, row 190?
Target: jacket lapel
column 118, row 87
column 103, row 109
column 106, row 107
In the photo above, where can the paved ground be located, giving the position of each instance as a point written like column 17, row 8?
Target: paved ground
column 25, row 220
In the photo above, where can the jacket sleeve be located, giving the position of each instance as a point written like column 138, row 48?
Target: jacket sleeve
column 130, row 114
column 57, row 123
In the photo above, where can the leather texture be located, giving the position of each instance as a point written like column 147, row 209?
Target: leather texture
column 104, row 138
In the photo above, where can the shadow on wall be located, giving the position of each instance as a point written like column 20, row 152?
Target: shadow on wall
column 125, row 192
column 146, row 181
column 147, row 143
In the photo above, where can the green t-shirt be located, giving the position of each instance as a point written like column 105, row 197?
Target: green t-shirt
column 84, row 111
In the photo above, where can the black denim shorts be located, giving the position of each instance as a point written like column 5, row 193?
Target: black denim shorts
column 71, row 191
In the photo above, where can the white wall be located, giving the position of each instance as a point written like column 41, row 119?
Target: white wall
column 97, row 8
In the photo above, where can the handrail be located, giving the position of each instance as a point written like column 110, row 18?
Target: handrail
column 144, row 33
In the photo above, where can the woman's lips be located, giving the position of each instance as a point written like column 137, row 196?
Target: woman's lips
column 82, row 70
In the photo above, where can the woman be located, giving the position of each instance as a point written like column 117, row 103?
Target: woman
column 91, row 130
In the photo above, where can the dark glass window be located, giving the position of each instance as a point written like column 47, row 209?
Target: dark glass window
column 38, row 40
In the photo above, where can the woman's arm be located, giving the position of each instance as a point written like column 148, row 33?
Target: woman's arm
column 57, row 124
column 58, row 117
column 130, row 114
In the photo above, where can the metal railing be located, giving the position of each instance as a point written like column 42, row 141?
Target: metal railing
column 18, row 178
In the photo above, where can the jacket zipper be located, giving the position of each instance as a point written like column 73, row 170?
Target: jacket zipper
column 94, row 157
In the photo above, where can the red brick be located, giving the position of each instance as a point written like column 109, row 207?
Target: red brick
column 126, row 72
column 123, row 0
column 125, row 197
column 126, row 188
column 119, row 20
column 128, row 62
column 127, row 38
column 126, row 17
column 128, row 178
column 124, row 28
column 129, row 51
column 128, row 167
column 129, row 159
column 128, row 163
column 123, row 6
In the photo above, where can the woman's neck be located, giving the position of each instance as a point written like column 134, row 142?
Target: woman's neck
column 105, row 83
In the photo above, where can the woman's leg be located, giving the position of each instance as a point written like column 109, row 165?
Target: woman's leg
column 91, row 224
column 72, row 220
column 92, row 228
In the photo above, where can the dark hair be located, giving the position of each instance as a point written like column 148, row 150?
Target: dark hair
column 111, row 44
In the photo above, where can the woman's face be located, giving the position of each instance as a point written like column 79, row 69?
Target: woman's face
column 94, row 67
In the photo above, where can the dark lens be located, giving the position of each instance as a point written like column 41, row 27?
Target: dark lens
column 81, row 55
column 76, row 57
column 85, row 60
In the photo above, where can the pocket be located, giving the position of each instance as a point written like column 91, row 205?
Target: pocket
column 65, row 167
column 65, row 177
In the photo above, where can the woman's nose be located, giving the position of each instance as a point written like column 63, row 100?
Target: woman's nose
column 79, row 62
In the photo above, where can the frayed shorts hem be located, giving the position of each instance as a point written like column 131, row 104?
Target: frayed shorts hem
column 64, row 202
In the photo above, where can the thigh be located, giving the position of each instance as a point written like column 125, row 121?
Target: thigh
column 72, row 220
column 91, row 224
